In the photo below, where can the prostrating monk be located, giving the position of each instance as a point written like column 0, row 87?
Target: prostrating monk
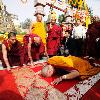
column 12, row 51
column 74, row 67
column 33, row 48
column 53, row 38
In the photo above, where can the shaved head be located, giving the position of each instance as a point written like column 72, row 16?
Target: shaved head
column 47, row 71
column 37, row 39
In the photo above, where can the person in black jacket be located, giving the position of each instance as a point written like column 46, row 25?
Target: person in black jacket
column 67, row 45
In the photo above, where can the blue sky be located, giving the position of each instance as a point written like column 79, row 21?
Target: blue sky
column 27, row 10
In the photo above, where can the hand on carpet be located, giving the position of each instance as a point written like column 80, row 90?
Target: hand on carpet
column 24, row 65
column 47, row 56
column 56, row 81
column 8, row 68
column 32, row 63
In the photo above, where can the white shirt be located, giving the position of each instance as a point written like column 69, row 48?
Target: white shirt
column 79, row 32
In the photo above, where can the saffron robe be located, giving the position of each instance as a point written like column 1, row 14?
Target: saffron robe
column 15, row 53
column 54, row 39
column 36, row 50
column 74, row 63
column 39, row 29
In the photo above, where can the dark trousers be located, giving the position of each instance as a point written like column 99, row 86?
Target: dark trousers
column 79, row 47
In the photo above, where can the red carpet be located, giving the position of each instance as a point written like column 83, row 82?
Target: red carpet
column 24, row 83
column 8, row 88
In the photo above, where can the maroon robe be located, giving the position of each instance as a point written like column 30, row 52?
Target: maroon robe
column 37, row 51
column 53, row 39
column 0, row 51
column 93, row 32
column 15, row 53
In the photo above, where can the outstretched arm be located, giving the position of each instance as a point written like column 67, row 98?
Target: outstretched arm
column 4, row 51
column 46, row 53
column 29, row 51
column 73, row 74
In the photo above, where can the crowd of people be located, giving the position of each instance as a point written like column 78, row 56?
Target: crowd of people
column 54, row 41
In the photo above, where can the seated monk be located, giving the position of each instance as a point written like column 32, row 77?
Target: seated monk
column 74, row 67
column 33, row 48
column 12, row 52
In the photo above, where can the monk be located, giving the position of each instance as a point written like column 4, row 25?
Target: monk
column 92, row 42
column 38, row 28
column 54, row 37
column 33, row 48
column 74, row 67
column 12, row 52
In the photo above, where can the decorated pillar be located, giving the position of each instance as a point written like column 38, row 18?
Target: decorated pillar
column 39, row 4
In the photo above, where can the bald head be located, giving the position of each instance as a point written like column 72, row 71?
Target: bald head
column 47, row 71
